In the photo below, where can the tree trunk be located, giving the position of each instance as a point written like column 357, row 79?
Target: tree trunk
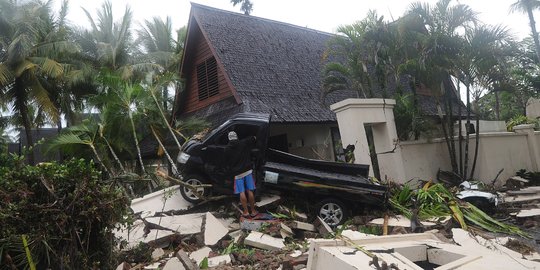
column 466, row 158
column 165, row 97
column 460, row 127
column 136, row 141
column 533, row 30
column 497, row 106
column 477, row 141
column 21, row 105
column 446, row 138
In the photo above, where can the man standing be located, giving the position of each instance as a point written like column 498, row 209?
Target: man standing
column 238, row 154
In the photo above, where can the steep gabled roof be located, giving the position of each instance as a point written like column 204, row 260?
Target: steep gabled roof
column 274, row 67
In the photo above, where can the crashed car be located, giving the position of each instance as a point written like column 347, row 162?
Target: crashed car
column 332, row 188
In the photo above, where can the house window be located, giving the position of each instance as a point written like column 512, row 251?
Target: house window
column 207, row 78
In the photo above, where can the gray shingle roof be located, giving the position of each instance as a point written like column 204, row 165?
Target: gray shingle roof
column 275, row 67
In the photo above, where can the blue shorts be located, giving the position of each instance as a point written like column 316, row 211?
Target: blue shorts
column 241, row 184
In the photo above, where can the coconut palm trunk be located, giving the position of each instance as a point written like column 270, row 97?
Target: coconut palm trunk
column 534, row 32
column 134, row 132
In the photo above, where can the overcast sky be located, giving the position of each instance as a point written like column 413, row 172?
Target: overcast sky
column 324, row 15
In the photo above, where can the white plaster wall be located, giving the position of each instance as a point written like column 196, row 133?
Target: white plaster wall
column 537, row 135
column 501, row 150
column 533, row 108
column 316, row 138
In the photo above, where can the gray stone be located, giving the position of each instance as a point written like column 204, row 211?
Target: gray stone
column 174, row 264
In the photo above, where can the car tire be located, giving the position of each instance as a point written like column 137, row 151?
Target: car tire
column 188, row 194
column 332, row 211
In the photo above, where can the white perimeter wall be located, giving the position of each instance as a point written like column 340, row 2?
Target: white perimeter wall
column 501, row 150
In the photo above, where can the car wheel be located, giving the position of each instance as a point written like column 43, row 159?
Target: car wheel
column 332, row 211
column 189, row 194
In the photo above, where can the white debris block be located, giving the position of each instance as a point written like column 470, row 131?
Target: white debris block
column 132, row 234
column 398, row 221
column 236, row 235
column 199, row 255
column 153, row 266
column 123, row 266
column 267, row 199
column 213, row 230
column 174, row 264
column 354, row 235
column 182, row 224
column 160, row 201
column 215, row 261
column 303, row 226
column 296, row 253
column 285, row 231
column 264, row 241
column 529, row 213
column 157, row 254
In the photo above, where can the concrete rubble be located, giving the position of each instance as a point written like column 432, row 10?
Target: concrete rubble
column 181, row 237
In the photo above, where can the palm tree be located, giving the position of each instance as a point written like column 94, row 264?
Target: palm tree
column 158, row 45
column 436, row 60
column 29, row 53
column 357, row 50
column 246, row 5
column 527, row 6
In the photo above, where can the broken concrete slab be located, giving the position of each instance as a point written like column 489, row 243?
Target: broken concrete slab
column 161, row 201
column 285, row 231
column 398, row 221
column 528, row 213
column 230, row 223
column 181, row 224
column 217, row 260
column 157, row 254
column 354, row 235
column 267, row 200
column 322, row 227
column 200, row 254
column 123, row 266
column 264, row 241
column 174, row 264
column 214, row 230
column 153, row 266
column 186, row 261
column 236, row 235
column 303, row 226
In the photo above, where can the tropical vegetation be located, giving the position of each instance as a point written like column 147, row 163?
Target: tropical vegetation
column 437, row 50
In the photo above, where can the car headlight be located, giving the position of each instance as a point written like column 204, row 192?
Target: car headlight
column 182, row 158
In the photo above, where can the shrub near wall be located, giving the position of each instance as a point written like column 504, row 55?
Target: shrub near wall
column 65, row 211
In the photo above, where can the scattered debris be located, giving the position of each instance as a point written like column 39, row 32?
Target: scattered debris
column 174, row 264
column 199, row 255
column 219, row 260
column 267, row 200
column 157, row 254
column 303, row 226
column 186, row 261
column 399, row 221
column 214, row 230
column 528, row 213
column 322, row 227
column 264, row 241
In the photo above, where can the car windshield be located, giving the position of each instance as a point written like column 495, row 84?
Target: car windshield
column 210, row 134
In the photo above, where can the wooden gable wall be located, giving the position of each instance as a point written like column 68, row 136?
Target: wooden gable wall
column 199, row 52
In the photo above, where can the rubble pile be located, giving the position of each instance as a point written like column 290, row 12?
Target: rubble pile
column 169, row 233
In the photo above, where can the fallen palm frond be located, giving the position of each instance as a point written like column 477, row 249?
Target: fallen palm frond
column 434, row 200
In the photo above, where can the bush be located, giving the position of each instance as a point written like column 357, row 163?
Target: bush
column 521, row 120
column 66, row 211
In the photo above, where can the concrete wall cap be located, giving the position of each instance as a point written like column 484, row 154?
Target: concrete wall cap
column 363, row 102
column 524, row 126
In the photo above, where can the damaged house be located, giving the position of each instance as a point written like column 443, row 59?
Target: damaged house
column 239, row 63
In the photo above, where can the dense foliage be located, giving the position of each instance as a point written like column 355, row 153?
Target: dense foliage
column 65, row 210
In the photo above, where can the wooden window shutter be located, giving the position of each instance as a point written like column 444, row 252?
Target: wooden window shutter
column 207, row 78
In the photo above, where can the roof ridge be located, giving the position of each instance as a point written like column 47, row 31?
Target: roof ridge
column 197, row 5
